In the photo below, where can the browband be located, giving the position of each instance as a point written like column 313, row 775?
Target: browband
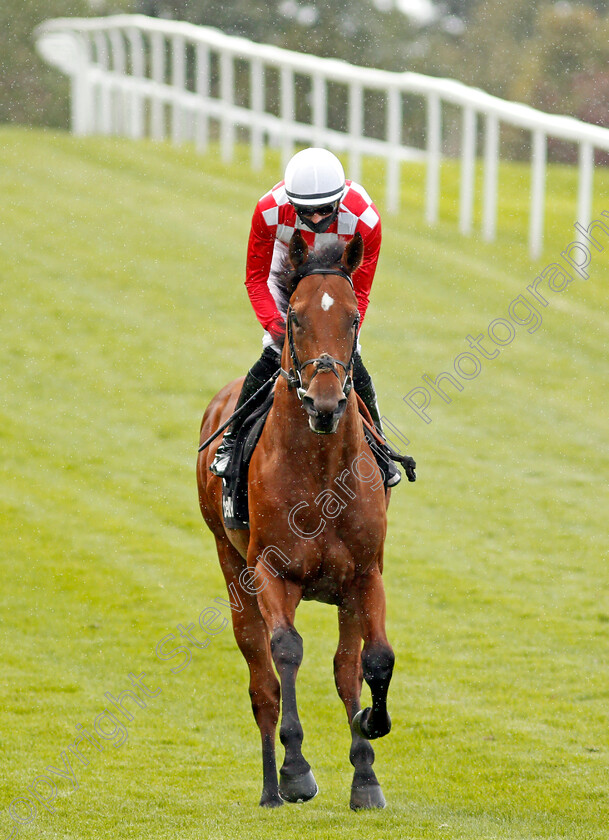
column 336, row 271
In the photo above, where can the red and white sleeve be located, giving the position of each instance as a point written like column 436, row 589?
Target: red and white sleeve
column 259, row 257
column 363, row 277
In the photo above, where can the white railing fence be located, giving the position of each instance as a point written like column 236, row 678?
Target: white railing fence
column 137, row 76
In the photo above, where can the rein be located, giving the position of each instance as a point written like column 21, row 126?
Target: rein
column 322, row 363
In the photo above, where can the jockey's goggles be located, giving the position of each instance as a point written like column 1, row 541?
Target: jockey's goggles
column 324, row 210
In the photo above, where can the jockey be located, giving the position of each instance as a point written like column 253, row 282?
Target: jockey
column 315, row 198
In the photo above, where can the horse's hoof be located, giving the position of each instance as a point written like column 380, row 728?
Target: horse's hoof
column 362, row 726
column 270, row 800
column 370, row 796
column 298, row 788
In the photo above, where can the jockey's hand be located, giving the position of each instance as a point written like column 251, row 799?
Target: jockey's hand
column 277, row 329
column 410, row 466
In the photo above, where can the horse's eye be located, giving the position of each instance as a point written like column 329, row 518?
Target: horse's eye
column 295, row 320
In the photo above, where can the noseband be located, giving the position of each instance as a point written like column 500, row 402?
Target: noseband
column 322, row 363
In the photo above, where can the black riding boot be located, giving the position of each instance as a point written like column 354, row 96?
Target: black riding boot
column 255, row 378
column 362, row 382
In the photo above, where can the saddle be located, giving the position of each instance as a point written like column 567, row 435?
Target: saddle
column 234, row 483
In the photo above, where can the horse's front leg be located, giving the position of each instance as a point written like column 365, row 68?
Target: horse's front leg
column 365, row 789
column 253, row 639
column 278, row 601
column 377, row 656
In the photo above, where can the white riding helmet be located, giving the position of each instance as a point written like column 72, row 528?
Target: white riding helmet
column 313, row 178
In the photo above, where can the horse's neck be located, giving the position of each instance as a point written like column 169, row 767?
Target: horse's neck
column 320, row 453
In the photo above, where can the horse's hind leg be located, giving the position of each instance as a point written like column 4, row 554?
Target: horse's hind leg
column 279, row 600
column 377, row 657
column 365, row 789
column 252, row 637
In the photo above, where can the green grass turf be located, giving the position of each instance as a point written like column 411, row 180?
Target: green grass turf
column 122, row 312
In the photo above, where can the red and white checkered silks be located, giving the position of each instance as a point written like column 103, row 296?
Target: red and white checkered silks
column 273, row 224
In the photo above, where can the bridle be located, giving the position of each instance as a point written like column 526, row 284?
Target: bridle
column 322, row 363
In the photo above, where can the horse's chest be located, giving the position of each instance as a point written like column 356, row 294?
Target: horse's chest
column 328, row 565
column 328, row 572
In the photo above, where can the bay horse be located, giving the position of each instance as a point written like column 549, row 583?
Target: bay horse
column 317, row 526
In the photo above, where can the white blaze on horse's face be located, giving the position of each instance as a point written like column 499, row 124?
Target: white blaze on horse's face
column 326, row 301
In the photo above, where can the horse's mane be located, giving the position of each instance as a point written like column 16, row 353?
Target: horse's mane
column 328, row 256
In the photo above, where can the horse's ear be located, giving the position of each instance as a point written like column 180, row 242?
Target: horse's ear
column 353, row 253
column 298, row 250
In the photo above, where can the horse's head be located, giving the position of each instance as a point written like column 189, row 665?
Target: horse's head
column 322, row 326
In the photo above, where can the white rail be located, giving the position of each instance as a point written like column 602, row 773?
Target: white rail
column 138, row 76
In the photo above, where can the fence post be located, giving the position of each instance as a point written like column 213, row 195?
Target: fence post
column 320, row 108
column 178, row 82
column 468, row 170
column 584, row 189
column 356, row 128
column 538, row 191
column 287, row 114
column 103, row 100
column 227, row 88
column 257, row 104
column 119, row 98
column 81, row 88
column 203, row 89
column 136, row 115
column 434, row 157
column 491, row 157
column 394, row 130
column 157, row 108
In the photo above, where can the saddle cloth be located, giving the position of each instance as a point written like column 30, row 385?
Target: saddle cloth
column 234, row 484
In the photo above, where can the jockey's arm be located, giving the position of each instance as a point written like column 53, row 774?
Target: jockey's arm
column 363, row 277
column 258, row 266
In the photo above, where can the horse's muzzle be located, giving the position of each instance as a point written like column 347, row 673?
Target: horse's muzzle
column 324, row 415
